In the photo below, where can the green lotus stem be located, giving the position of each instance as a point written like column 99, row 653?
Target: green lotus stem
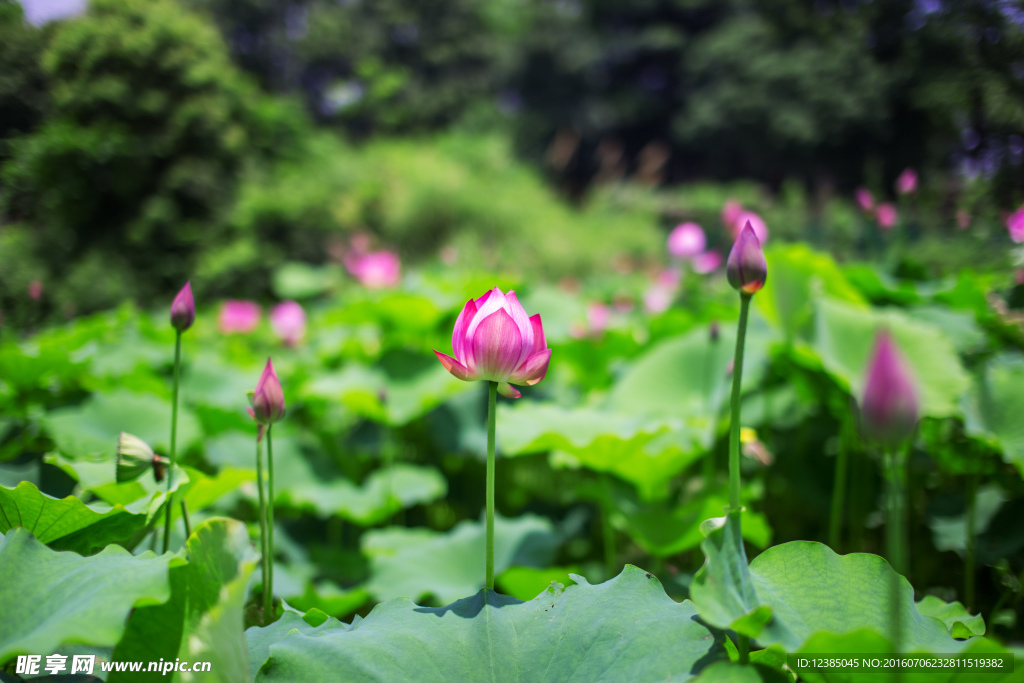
column 839, row 488
column 173, row 455
column 492, row 399
column 895, row 523
column 743, row 645
column 607, row 531
column 972, row 495
column 264, row 537
column 270, row 519
column 734, row 406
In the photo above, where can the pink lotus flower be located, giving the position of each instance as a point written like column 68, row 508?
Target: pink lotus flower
column 239, row 316
column 864, row 199
column 889, row 406
column 1015, row 224
column 746, row 268
column 686, row 241
column 886, row 215
column 657, row 299
column 268, row 399
column 906, row 183
column 183, row 309
column 495, row 340
column 668, row 279
column 376, row 269
column 289, row 322
column 756, row 223
column 598, row 316
column 731, row 211
column 35, row 290
column 707, row 262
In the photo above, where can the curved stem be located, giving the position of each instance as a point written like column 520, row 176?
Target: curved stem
column 492, row 399
column 270, row 520
column 734, row 406
column 174, row 437
column 264, row 539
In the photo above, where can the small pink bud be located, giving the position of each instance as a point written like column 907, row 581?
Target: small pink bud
column 889, row 405
column 731, row 211
column 1015, row 225
column 239, row 316
column 268, row 399
column 35, row 290
column 906, row 183
column 746, row 268
column 183, row 309
column 686, row 241
column 375, row 270
column 598, row 316
column 707, row 262
column 864, row 199
column 886, row 215
column 288, row 321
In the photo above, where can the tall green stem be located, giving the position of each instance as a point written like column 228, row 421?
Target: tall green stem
column 734, row 405
column 839, row 488
column 174, row 439
column 492, row 400
column 610, row 555
column 972, row 495
column 270, row 521
column 264, row 537
column 743, row 647
column 895, row 523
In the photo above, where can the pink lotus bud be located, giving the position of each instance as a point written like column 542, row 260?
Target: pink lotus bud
column 963, row 219
column 755, row 222
column 183, row 309
column 889, row 405
column 657, row 299
column 864, row 199
column 239, row 316
column 35, row 290
column 495, row 340
column 686, row 241
column 268, row 399
column 1015, row 224
column 707, row 262
column 598, row 316
column 746, row 268
column 1018, row 276
column 289, row 322
column 668, row 279
column 906, row 183
column 731, row 211
column 886, row 215
column 375, row 270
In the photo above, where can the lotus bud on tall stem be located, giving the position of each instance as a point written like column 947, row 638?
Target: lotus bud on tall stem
column 183, row 314
column 496, row 341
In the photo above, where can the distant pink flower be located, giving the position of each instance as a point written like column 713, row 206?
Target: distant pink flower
column 657, row 299
column 598, row 316
column 731, row 211
column 623, row 303
column 686, row 241
column 906, row 183
column 886, row 215
column 668, row 279
column 1015, row 224
column 289, row 322
column 35, row 290
column 756, row 223
column 239, row 316
column 963, row 219
column 376, row 269
column 889, row 405
column 864, row 199
column 707, row 262
column 1018, row 276
column 268, row 399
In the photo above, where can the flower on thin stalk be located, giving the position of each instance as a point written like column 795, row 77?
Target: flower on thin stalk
column 495, row 340
column 886, row 215
column 907, row 181
column 746, row 268
column 134, row 457
column 889, row 406
column 288, row 321
column 239, row 316
column 686, row 241
column 268, row 399
column 865, row 201
column 183, row 309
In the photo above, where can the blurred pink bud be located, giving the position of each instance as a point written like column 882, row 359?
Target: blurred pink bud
column 906, row 183
column 268, row 399
column 889, row 405
column 183, row 309
column 746, row 268
column 623, row 303
column 668, row 279
column 495, row 340
column 35, row 290
column 239, row 316
column 598, row 316
column 731, row 211
column 1018, row 276
column 756, row 223
column 886, row 215
column 864, row 199
column 657, row 299
column 963, row 219
column 686, row 241
column 289, row 322
column 375, row 270
column 707, row 262
column 1015, row 224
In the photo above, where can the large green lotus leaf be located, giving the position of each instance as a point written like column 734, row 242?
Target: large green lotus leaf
column 960, row 622
column 625, row 629
column 144, row 494
column 792, row 591
column 961, row 327
column 845, row 337
column 259, row 639
column 67, row 523
column 730, row 672
column 208, row 381
column 995, row 403
column 451, row 564
column 950, row 533
column 49, row 597
column 34, row 365
column 879, row 287
column 797, row 275
column 90, row 430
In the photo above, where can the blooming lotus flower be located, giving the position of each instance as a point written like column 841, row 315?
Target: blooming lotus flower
column 756, row 223
column 239, row 316
column 495, row 340
column 183, row 309
column 731, row 211
column 889, row 406
column 707, row 262
column 886, row 215
column 375, row 270
column 268, row 399
column 864, row 199
column 686, row 241
column 746, row 268
column 906, row 183
column 289, row 322
column 1015, row 225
